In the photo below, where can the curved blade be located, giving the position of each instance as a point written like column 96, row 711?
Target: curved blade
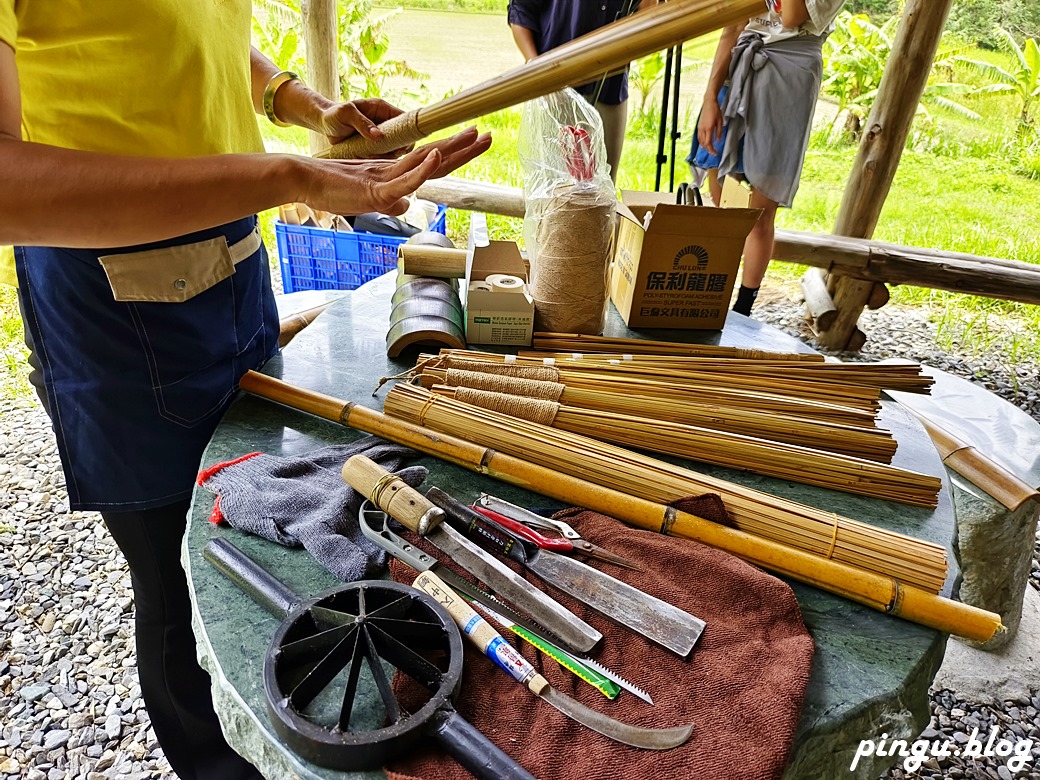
column 636, row 736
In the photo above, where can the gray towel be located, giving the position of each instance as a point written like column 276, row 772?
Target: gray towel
column 769, row 111
column 303, row 501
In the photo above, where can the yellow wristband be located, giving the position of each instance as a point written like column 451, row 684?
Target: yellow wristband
column 277, row 80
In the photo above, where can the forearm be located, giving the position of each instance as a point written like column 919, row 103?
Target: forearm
column 524, row 38
column 794, row 14
column 62, row 197
column 720, row 65
column 294, row 102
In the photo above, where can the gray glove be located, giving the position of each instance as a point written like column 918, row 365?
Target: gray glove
column 303, row 501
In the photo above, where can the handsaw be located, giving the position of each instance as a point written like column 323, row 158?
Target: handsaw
column 406, row 505
column 490, row 642
column 657, row 620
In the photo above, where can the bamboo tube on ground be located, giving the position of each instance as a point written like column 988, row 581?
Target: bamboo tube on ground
column 911, row 560
column 870, row 589
column 608, row 49
column 761, row 456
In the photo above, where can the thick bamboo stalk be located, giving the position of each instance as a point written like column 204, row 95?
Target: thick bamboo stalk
column 604, row 50
column 875, row 591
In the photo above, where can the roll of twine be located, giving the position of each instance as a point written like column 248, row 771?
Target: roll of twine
column 532, row 409
column 400, row 132
column 574, row 236
column 543, row 373
column 529, row 388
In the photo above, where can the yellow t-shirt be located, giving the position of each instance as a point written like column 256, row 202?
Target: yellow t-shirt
column 163, row 78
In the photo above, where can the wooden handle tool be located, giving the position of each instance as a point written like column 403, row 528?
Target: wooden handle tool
column 392, row 494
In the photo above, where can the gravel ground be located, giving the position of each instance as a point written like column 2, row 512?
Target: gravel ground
column 68, row 685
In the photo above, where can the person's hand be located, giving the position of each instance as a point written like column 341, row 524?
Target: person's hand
column 709, row 127
column 342, row 120
column 350, row 187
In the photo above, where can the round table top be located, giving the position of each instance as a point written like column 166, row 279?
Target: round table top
column 871, row 672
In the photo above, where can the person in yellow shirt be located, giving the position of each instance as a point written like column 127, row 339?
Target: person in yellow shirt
column 131, row 168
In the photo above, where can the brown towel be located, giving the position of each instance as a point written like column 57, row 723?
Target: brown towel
column 741, row 687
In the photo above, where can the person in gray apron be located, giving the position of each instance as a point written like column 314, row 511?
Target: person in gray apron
column 757, row 115
column 138, row 338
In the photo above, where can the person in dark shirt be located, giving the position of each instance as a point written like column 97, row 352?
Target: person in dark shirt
column 540, row 25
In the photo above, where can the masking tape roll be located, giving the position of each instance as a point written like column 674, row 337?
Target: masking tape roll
column 482, row 286
column 506, row 283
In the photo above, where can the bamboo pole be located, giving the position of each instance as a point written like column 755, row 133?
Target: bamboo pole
column 875, row 591
column 884, row 137
column 607, row 49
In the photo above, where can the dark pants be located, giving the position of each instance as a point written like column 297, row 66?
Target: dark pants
column 176, row 690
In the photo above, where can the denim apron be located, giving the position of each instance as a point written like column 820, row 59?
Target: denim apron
column 141, row 349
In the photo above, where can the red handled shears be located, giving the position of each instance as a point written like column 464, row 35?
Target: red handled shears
column 519, row 521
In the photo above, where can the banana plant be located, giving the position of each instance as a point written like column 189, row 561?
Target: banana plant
column 1021, row 79
column 854, row 60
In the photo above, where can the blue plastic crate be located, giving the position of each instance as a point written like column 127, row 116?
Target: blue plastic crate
column 319, row 259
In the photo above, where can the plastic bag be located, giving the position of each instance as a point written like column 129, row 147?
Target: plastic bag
column 569, row 216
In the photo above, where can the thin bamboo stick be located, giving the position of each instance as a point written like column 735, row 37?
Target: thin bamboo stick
column 869, row 588
column 604, row 50
column 823, row 533
column 580, row 342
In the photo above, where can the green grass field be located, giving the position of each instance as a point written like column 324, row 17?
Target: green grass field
column 967, row 187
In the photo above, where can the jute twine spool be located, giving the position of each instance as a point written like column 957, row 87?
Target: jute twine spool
column 574, row 238
column 400, row 132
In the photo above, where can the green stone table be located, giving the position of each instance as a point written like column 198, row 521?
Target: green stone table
column 871, row 672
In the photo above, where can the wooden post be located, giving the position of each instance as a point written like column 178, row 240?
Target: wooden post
column 322, row 47
column 902, row 85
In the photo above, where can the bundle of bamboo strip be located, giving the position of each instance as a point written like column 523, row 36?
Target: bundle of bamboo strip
column 775, row 459
column 804, row 423
column 904, row 558
column 592, row 374
column 580, row 342
column 893, row 376
column 874, row 590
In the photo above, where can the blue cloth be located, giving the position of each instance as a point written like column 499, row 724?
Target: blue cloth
column 135, row 389
column 703, row 160
column 555, row 22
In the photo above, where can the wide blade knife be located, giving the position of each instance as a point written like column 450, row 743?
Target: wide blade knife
column 657, row 620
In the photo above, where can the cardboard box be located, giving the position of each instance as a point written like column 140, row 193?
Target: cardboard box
column 679, row 270
column 495, row 317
